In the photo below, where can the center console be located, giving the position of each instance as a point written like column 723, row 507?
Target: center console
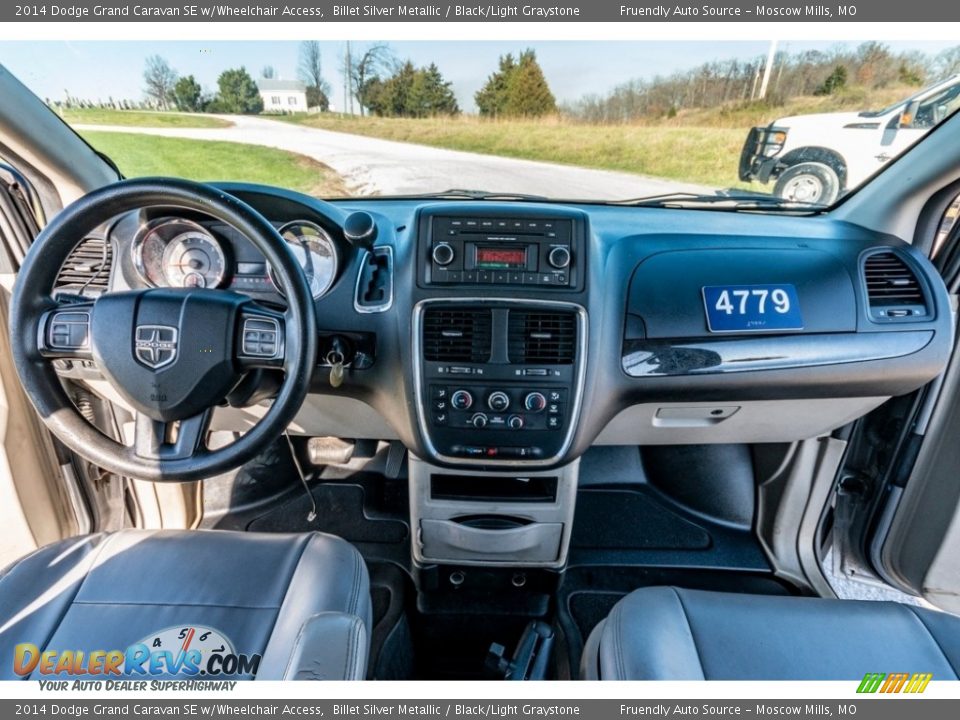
column 499, row 377
column 499, row 360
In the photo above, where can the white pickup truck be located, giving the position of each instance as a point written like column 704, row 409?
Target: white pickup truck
column 816, row 158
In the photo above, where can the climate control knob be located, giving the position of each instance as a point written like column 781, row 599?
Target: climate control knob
column 559, row 257
column 443, row 253
column 535, row 402
column 515, row 422
column 461, row 400
column 479, row 421
column 498, row 401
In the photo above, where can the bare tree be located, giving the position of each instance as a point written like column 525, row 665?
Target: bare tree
column 365, row 67
column 160, row 79
column 310, row 68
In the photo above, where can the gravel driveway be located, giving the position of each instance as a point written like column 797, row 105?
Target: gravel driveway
column 371, row 166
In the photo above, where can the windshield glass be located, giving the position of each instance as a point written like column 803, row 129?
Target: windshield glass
column 707, row 123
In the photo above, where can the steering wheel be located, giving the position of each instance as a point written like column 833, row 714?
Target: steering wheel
column 172, row 354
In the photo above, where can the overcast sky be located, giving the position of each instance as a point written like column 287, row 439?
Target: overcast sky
column 98, row 70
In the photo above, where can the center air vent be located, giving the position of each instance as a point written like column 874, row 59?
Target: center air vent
column 457, row 334
column 86, row 271
column 544, row 338
column 893, row 290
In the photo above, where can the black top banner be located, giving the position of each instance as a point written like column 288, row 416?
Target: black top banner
column 537, row 11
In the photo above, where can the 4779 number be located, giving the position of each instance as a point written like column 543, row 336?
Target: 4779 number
column 741, row 301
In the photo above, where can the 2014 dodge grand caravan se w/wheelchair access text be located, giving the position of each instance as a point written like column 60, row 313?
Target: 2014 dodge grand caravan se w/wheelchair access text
column 251, row 433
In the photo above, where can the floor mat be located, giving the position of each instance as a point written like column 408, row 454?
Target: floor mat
column 631, row 519
column 342, row 510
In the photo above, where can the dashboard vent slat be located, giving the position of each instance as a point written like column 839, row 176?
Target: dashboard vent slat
column 890, row 281
column 86, row 271
column 542, row 338
column 457, row 335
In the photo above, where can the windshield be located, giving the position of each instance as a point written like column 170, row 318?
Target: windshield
column 689, row 123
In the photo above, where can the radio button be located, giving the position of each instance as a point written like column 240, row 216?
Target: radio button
column 443, row 254
column 498, row 401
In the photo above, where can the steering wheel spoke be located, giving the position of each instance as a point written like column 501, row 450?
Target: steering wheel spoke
column 64, row 331
column 261, row 337
column 158, row 440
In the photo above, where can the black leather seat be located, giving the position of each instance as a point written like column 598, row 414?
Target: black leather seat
column 664, row 633
column 300, row 601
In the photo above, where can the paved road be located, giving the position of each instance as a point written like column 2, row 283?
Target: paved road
column 371, row 166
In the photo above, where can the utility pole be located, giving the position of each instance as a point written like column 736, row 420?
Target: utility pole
column 768, row 68
column 347, row 83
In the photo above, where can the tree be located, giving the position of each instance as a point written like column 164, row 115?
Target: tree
column 364, row 68
column 431, row 95
column 238, row 93
column 491, row 99
column 159, row 79
column 837, row 80
column 517, row 88
column 310, row 70
column 528, row 94
column 268, row 73
column 187, row 94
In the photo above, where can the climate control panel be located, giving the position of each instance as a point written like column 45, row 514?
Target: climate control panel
column 492, row 408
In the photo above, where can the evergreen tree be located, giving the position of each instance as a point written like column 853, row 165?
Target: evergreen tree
column 491, row 99
column 238, row 93
column 517, row 89
column 431, row 94
column 528, row 94
column 187, row 94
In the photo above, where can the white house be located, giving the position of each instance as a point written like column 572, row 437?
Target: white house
column 282, row 96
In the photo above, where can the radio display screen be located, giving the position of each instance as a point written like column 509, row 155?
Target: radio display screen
column 501, row 258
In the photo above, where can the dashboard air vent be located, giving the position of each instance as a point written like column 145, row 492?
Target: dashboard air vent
column 544, row 338
column 457, row 335
column 86, row 271
column 893, row 290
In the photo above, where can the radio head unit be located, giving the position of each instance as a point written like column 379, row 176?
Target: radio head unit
column 487, row 250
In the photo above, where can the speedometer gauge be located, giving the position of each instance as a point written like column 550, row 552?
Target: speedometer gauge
column 194, row 259
column 176, row 252
column 315, row 251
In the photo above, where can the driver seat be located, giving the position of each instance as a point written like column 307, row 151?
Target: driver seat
column 301, row 601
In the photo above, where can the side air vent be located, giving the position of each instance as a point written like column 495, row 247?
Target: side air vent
column 543, row 338
column 457, row 334
column 893, row 290
column 86, row 271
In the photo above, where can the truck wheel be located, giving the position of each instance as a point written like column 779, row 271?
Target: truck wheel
column 808, row 182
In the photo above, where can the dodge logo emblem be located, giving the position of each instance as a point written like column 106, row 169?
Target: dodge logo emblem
column 155, row 345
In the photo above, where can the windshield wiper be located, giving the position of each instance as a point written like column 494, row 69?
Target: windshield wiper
column 726, row 200
column 461, row 194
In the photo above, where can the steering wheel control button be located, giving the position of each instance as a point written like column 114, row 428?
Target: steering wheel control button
column 443, row 254
column 479, row 421
column 559, row 257
column 462, row 400
column 498, row 401
column 535, row 402
column 261, row 338
column 69, row 330
column 515, row 422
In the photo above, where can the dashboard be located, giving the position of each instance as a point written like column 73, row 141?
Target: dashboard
column 491, row 334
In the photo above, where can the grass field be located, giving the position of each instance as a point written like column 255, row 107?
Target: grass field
column 699, row 146
column 139, row 118
column 204, row 160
